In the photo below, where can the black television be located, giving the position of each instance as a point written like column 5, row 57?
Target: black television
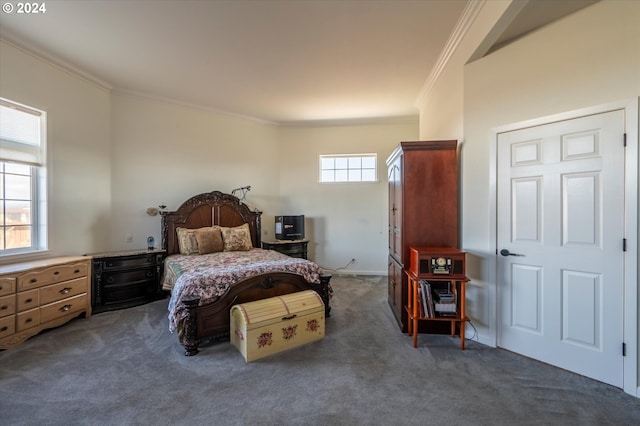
column 290, row 227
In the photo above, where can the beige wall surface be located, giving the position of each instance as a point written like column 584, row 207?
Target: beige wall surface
column 164, row 153
column 78, row 144
column 343, row 220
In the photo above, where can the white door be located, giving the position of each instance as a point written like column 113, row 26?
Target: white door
column 560, row 243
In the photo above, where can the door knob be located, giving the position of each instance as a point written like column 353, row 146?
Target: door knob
column 506, row 252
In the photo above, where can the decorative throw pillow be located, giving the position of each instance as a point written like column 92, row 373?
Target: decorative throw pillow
column 209, row 240
column 187, row 243
column 237, row 238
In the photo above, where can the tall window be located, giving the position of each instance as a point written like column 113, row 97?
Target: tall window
column 348, row 168
column 22, row 179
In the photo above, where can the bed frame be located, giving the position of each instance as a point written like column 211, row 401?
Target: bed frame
column 211, row 321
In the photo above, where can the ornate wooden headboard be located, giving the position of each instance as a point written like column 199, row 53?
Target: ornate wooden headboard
column 208, row 209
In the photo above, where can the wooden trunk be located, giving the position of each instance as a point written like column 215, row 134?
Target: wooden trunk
column 266, row 327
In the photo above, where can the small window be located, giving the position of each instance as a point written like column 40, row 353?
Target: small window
column 22, row 179
column 348, row 168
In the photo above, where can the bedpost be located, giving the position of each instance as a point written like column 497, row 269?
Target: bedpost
column 190, row 339
column 325, row 293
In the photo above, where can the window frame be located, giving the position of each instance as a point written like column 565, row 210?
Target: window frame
column 36, row 161
column 348, row 169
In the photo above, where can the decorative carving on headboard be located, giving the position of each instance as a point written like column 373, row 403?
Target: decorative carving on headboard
column 207, row 209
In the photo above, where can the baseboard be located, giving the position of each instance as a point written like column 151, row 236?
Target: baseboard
column 350, row 273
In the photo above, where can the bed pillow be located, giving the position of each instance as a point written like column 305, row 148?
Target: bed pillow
column 187, row 243
column 237, row 238
column 209, row 240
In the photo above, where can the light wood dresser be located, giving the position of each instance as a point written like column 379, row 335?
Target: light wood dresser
column 42, row 294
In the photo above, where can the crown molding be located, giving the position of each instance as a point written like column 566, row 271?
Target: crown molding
column 357, row 121
column 469, row 15
column 56, row 62
column 177, row 102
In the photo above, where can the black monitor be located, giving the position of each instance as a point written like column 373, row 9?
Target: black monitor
column 290, row 227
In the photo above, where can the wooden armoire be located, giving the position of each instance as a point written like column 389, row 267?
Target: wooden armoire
column 423, row 208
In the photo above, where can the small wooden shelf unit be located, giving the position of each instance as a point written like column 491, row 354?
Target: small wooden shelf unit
column 436, row 265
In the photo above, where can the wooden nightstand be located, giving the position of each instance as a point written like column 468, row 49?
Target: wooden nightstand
column 127, row 278
column 293, row 248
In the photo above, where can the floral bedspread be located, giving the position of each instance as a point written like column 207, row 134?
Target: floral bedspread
column 209, row 276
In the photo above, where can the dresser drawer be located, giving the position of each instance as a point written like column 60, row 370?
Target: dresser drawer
column 27, row 319
column 7, row 305
column 7, row 326
column 54, row 274
column 130, row 262
column 55, row 292
column 63, row 307
column 28, row 300
column 7, row 286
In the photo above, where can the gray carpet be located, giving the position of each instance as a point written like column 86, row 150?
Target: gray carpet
column 124, row 368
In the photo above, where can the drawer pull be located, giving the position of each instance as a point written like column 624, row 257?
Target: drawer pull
column 289, row 317
column 76, row 271
column 28, row 320
column 4, row 307
column 110, row 280
column 29, row 300
column 1, row 287
column 65, row 308
column 149, row 274
column 5, row 328
column 33, row 280
column 65, row 290
column 56, row 272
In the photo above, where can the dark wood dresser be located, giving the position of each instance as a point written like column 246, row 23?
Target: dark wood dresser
column 124, row 279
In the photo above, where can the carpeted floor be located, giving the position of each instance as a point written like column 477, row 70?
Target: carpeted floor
column 125, row 368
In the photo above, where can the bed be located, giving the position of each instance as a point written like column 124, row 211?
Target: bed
column 204, row 286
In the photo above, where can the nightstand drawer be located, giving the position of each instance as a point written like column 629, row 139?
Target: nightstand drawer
column 292, row 248
column 137, row 275
column 129, row 262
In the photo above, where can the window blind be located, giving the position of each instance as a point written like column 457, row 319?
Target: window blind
column 20, row 134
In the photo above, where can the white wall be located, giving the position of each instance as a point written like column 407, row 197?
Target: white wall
column 164, row 153
column 587, row 59
column 343, row 220
column 79, row 148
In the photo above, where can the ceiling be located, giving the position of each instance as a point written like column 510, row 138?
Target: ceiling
column 278, row 61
